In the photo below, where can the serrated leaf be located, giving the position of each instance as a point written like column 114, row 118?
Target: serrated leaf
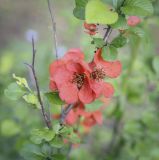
column 120, row 24
column 119, row 41
column 14, row 91
column 99, row 42
column 74, row 138
column 57, row 142
column 99, row 12
column 21, row 82
column 79, row 11
column 138, row 8
column 32, row 99
column 54, row 98
column 59, row 157
column 37, row 136
column 138, row 31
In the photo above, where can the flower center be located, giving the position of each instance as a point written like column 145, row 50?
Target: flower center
column 78, row 79
column 98, row 74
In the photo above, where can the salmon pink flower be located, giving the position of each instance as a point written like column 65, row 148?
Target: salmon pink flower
column 133, row 21
column 101, row 69
column 70, row 76
column 91, row 29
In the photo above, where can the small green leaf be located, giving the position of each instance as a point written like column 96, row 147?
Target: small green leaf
column 57, row 142
column 59, row 157
column 79, row 11
column 14, row 91
column 99, row 42
column 9, row 128
column 119, row 41
column 74, row 138
column 138, row 8
column 138, row 31
column 99, row 12
column 113, row 52
column 54, row 98
column 32, row 99
column 21, row 82
column 37, row 136
column 48, row 135
column 120, row 24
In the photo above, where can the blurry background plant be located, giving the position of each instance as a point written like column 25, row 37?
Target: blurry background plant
column 130, row 128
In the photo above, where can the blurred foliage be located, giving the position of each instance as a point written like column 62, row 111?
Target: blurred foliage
column 130, row 129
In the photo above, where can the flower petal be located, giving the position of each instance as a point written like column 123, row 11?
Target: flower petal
column 71, row 118
column 112, row 69
column 62, row 76
column 53, row 66
column 86, row 94
column 108, row 90
column 53, row 86
column 74, row 54
column 96, row 87
column 98, row 117
column 69, row 93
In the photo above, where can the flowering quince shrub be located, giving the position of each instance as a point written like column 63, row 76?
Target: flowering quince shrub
column 76, row 83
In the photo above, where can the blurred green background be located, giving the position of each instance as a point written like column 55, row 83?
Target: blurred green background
column 130, row 130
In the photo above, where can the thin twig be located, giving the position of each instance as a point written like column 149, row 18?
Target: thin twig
column 32, row 67
column 107, row 34
column 65, row 112
column 53, row 28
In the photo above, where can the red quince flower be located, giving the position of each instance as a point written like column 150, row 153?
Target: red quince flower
column 91, row 29
column 93, row 118
column 133, row 21
column 70, row 76
column 101, row 69
column 74, row 115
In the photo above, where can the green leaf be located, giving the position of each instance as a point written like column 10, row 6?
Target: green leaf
column 57, row 142
column 99, row 42
column 14, row 91
column 74, row 138
column 32, row 152
column 32, row 99
column 119, row 41
column 54, row 98
column 138, row 31
column 99, row 12
column 113, row 53
column 21, row 82
column 120, row 24
column 79, row 11
column 156, row 64
column 59, row 157
column 37, row 136
column 9, row 128
column 138, row 7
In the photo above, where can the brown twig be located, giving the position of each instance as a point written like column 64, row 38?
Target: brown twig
column 107, row 34
column 53, row 28
column 32, row 67
column 65, row 112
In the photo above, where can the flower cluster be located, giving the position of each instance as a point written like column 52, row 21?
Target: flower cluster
column 79, row 81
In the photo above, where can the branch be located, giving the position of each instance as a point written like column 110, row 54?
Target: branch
column 65, row 113
column 53, row 28
column 107, row 34
column 32, row 67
